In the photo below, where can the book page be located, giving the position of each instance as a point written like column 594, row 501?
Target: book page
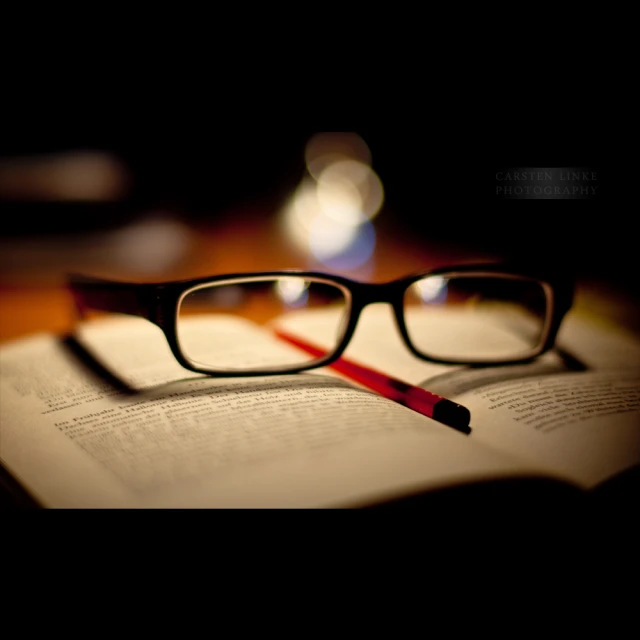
column 573, row 412
column 583, row 426
column 144, row 432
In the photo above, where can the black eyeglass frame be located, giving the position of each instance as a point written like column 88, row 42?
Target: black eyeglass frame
column 160, row 303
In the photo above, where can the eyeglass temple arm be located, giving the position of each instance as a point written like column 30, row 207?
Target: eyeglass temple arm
column 106, row 295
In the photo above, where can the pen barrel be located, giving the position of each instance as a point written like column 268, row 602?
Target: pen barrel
column 439, row 408
column 422, row 400
column 429, row 404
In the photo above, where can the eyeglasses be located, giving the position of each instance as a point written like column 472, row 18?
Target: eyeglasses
column 470, row 314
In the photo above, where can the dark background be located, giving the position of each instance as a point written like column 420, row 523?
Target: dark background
column 211, row 113
column 203, row 152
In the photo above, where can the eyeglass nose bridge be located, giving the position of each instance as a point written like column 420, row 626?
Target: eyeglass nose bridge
column 379, row 293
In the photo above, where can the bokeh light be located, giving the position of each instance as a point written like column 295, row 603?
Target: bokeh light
column 352, row 182
column 329, row 215
column 292, row 291
column 432, row 290
column 324, row 149
column 354, row 255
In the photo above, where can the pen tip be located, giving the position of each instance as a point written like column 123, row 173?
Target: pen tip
column 455, row 415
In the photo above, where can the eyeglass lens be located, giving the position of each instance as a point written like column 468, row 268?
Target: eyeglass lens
column 454, row 317
column 476, row 317
column 210, row 334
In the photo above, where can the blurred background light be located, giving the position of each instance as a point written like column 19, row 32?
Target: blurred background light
column 323, row 149
column 339, row 199
column 357, row 181
column 356, row 254
column 299, row 213
column 65, row 176
column 432, row 290
column 292, row 291
column 328, row 217
column 328, row 238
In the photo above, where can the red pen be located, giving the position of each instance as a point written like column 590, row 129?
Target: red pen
column 429, row 404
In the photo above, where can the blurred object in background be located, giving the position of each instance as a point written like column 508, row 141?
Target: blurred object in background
column 48, row 192
column 146, row 248
column 86, row 176
column 328, row 218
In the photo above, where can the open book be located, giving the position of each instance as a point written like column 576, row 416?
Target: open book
column 108, row 418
